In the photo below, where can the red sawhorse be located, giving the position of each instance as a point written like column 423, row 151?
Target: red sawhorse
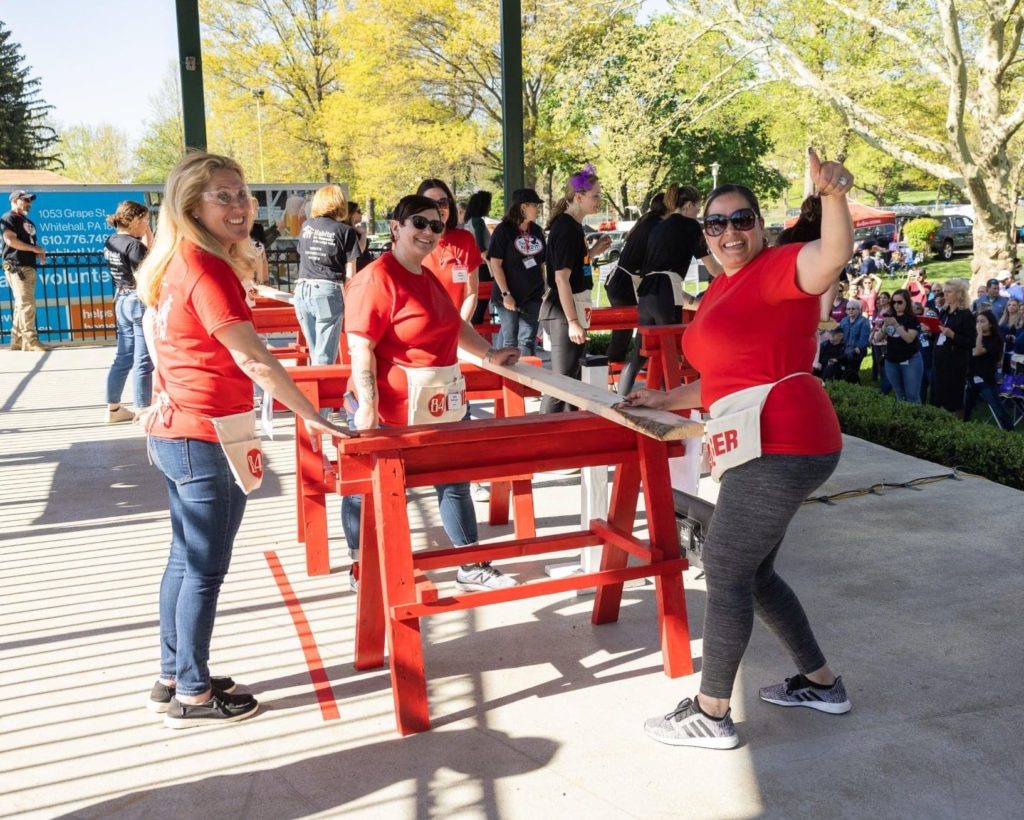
column 316, row 475
column 394, row 592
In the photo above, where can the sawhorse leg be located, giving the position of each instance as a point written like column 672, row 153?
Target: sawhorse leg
column 370, row 616
column 673, row 626
column 621, row 514
column 405, row 644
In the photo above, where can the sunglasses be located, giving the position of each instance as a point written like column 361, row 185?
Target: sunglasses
column 898, row 302
column 443, row 202
column 742, row 220
column 228, row 198
column 421, row 222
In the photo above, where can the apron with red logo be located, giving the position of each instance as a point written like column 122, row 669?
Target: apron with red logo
column 436, row 394
column 584, row 305
column 733, row 433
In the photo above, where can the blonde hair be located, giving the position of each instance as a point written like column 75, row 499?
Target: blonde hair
column 176, row 223
column 329, row 201
column 677, row 195
column 961, row 288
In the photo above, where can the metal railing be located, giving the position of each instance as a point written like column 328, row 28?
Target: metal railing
column 75, row 296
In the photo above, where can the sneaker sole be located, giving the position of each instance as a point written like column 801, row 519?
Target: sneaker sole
column 479, row 587
column 191, row 723
column 821, row 706
column 719, row 743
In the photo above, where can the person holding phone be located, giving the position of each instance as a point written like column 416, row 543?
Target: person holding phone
column 766, row 483
column 952, row 356
column 904, row 366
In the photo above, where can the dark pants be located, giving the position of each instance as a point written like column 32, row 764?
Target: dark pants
column 989, row 394
column 566, row 356
column 756, row 503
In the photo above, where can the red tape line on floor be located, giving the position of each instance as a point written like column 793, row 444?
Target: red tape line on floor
column 321, row 685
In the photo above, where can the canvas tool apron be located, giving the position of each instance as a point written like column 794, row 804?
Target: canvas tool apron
column 437, row 395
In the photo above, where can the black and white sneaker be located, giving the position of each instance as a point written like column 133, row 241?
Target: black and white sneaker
column 160, row 696
column 687, row 725
column 799, row 691
column 220, row 708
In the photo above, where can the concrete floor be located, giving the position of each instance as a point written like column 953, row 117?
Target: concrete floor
column 915, row 595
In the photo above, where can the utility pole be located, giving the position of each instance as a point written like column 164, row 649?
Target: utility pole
column 259, row 94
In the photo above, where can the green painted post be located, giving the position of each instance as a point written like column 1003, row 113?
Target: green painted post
column 190, row 59
column 512, row 94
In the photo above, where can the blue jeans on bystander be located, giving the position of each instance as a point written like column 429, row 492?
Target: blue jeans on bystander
column 132, row 353
column 320, row 309
column 905, row 378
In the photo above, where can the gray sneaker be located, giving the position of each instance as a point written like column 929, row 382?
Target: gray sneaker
column 688, row 726
column 798, row 691
column 476, row 577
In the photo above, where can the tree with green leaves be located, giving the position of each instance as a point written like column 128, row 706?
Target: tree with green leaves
column 937, row 84
column 26, row 140
column 163, row 143
column 96, row 154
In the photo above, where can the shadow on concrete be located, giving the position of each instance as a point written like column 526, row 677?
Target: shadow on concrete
column 283, row 792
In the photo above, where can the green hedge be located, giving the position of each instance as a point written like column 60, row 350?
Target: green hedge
column 930, row 433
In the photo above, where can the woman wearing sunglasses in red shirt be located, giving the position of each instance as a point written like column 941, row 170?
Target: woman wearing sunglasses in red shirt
column 403, row 333
column 773, row 438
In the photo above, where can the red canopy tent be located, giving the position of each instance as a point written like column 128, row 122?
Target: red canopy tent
column 864, row 216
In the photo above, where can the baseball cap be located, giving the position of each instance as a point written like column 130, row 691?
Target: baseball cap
column 522, row 196
column 16, row 195
column 1004, row 275
column 992, row 282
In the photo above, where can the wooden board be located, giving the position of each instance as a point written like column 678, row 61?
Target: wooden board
column 268, row 292
column 658, row 424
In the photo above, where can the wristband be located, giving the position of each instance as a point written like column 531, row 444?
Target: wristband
column 505, row 294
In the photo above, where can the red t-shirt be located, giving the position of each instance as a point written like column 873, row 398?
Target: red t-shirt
column 457, row 249
column 200, row 295
column 755, row 327
column 411, row 322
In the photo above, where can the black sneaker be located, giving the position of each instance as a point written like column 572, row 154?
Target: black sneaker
column 220, row 708
column 687, row 725
column 798, row 691
column 160, row 696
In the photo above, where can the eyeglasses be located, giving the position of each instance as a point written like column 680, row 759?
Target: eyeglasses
column 228, row 198
column 443, row 202
column 742, row 220
column 421, row 222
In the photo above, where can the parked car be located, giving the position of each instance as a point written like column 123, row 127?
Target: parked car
column 614, row 250
column 956, row 233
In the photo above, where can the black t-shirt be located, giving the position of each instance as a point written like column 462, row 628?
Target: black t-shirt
column 522, row 260
column 478, row 228
column 325, row 245
column 567, row 248
column 673, row 244
column 897, row 350
column 23, row 229
column 984, row 367
column 635, row 248
column 124, row 253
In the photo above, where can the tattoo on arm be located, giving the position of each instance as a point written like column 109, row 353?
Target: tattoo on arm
column 368, row 385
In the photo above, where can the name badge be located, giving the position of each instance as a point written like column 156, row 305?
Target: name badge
column 460, row 273
column 529, row 262
column 454, row 400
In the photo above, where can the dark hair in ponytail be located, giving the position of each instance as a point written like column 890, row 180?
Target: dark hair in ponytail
column 678, row 195
column 127, row 212
column 808, row 227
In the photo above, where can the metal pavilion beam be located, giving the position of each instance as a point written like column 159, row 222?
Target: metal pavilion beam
column 512, row 95
column 190, row 60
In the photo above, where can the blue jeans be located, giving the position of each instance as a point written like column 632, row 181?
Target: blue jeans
column 320, row 309
column 519, row 326
column 989, row 394
column 132, row 353
column 905, row 378
column 458, row 516
column 206, row 508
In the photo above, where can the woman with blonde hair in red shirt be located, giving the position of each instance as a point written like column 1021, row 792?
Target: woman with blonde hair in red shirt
column 773, row 437
column 201, row 424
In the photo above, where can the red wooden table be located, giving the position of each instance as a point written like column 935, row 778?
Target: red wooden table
column 394, row 591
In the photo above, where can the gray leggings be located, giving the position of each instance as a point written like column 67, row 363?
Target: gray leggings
column 756, row 502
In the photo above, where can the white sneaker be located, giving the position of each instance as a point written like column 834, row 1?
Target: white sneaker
column 120, row 414
column 481, row 492
column 474, row 577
